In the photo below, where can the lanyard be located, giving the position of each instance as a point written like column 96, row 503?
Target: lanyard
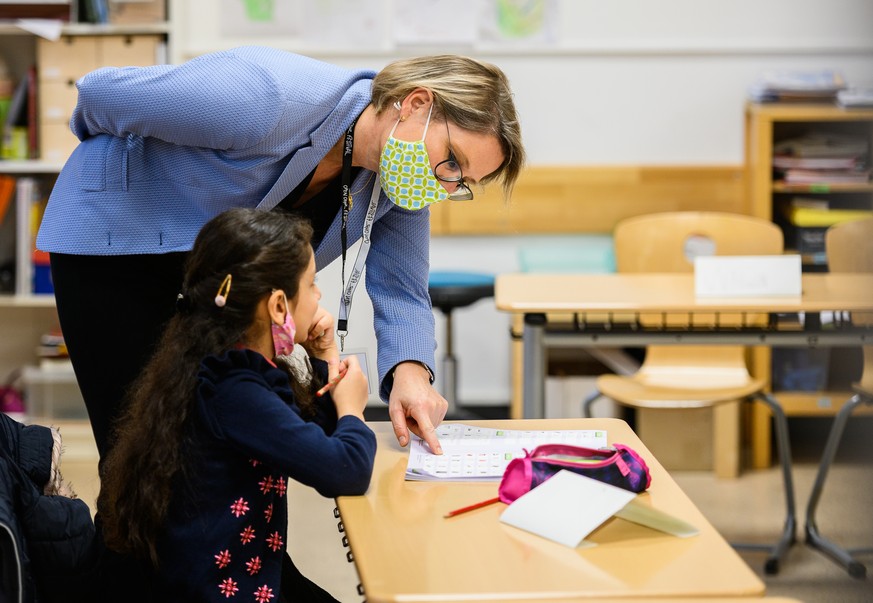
column 358, row 268
column 348, row 289
column 348, row 147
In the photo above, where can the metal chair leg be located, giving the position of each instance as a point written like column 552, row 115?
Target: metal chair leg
column 450, row 377
column 788, row 537
column 842, row 556
column 588, row 401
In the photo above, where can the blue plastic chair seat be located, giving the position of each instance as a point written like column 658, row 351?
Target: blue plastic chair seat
column 450, row 290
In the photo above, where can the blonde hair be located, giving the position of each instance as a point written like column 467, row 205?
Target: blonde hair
column 472, row 94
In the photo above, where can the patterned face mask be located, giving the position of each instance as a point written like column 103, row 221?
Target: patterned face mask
column 283, row 335
column 405, row 173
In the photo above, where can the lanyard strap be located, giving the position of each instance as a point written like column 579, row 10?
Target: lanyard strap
column 348, row 147
column 348, row 290
column 358, row 268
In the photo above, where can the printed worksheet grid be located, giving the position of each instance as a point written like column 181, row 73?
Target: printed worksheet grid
column 471, row 452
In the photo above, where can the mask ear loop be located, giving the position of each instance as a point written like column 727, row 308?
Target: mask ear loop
column 223, row 291
column 403, row 118
column 427, row 123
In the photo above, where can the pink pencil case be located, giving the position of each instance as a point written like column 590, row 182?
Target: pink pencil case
column 618, row 465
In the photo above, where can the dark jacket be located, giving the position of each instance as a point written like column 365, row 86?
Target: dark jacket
column 47, row 546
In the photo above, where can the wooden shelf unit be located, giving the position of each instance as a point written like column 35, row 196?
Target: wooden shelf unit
column 82, row 47
column 766, row 125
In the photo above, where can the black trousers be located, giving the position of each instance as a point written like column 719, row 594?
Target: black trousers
column 112, row 310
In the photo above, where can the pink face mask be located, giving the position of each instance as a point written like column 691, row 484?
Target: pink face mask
column 283, row 335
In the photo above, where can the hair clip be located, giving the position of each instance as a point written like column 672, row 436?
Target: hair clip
column 223, row 292
column 397, row 105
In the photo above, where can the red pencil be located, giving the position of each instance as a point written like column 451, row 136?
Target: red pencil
column 478, row 505
column 330, row 384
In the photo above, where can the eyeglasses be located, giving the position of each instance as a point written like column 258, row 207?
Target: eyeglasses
column 450, row 171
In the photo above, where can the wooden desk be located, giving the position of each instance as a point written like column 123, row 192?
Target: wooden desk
column 405, row 550
column 533, row 296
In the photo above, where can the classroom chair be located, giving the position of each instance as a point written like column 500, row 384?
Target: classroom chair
column 450, row 290
column 697, row 376
column 849, row 248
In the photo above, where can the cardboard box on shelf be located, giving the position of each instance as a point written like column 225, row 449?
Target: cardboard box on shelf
column 56, row 142
column 137, row 11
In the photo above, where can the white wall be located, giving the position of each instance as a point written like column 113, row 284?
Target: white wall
column 624, row 82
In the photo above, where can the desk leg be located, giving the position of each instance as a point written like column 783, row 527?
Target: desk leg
column 516, row 410
column 534, row 366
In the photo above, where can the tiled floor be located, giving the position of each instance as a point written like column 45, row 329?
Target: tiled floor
column 749, row 508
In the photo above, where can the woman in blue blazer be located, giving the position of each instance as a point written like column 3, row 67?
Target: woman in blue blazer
column 165, row 148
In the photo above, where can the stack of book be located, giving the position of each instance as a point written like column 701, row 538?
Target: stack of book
column 797, row 86
column 52, row 351
column 19, row 138
column 806, row 221
column 822, row 158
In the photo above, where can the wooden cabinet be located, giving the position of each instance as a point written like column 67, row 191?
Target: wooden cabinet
column 768, row 195
column 27, row 308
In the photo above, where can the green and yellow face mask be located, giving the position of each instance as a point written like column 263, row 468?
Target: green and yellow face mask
column 405, row 173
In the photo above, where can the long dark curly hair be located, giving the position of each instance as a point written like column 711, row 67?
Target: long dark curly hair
column 262, row 251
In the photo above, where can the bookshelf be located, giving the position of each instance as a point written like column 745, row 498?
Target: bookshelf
column 766, row 125
column 133, row 35
column 769, row 124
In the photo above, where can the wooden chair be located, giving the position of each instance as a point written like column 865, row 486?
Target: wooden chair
column 849, row 248
column 686, row 376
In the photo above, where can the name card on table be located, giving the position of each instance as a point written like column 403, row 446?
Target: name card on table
column 747, row 276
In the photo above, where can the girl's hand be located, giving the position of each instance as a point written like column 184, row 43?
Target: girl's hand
column 350, row 393
column 320, row 341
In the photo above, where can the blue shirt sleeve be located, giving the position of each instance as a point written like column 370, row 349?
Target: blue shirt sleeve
column 218, row 101
column 397, row 275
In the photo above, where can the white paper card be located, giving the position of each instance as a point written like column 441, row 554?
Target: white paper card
column 651, row 517
column 747, row 276
column 566, row 508
column 569, row 506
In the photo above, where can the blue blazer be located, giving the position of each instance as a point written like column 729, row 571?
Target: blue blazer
column 165, row 148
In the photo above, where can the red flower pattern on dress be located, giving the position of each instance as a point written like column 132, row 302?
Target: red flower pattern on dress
column 254, row 462
column 264, row 594
column 274, row 541
column 247, row 535
column 239, row 507
column 268, row 513
column 222, row 559
column 267, row 484
column 280, row 486
column 253, row 565
column 228, row 588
